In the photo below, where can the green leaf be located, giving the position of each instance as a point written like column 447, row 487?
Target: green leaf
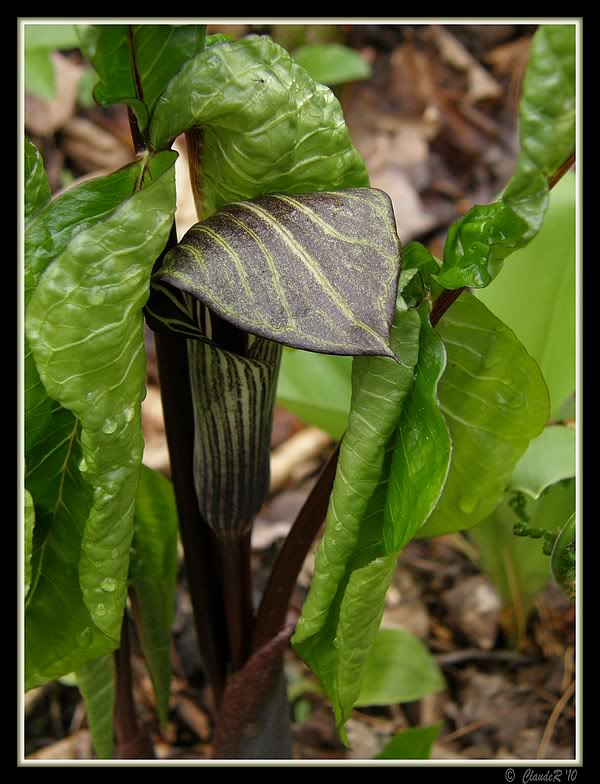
column 481, row 239
column 93, row 364
column 96, row 684
column 233, row 398
column 495, row 401
column 323, row 405
column 353, row 567
column 39, row 74
column 563, row 557
column 262, row 125
column 517, row 565
column 60, row 634
column 332, row 63
column 549, row 458
column 315, row 271
column 50, row 36
column 535, row 295
column 399, row 669
column 37, row 188
column 136, row 62
column 153, row 575
column 29, row 520
column 413, row 743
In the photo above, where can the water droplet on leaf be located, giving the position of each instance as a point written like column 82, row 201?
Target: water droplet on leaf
column 128, row 413
column 108, row 584
column 83, row 466
column 468, row 503
column 84, row 637
column 100, row 610
column 109, row 426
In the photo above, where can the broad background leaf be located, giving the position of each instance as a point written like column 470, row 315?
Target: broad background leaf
column 413, row 743
column 535, row 295
column 94, row 365
column 399, row 669
column 153, row 576
column 495, row 401
column 549, row 458
column 332, row 63
column 40, row 41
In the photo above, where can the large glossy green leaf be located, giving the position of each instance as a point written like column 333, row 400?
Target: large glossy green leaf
column 136, row 62
column 29, row 523
column 316, row 271
column 481, row 239
column 264, row 126
column 332, row 63
column 96, row 684
column 549, row 458
column 517, row 565
column 233, row 400
column 37, row 188
column 153, row 576
column 317, row 388
column 495, row 402
column 413, row 743
column 399, row 669
column 353, row 567
column 535, row 295
column 60, row 634
column 85, row 327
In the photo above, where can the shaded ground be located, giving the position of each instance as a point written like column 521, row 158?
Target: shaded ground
column 437, row 127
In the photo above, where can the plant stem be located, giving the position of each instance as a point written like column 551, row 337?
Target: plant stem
column 277, row 594
column 237, row 581
column 133, row 740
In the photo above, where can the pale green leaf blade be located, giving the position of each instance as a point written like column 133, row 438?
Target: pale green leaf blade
column 50, row 36
column 545, row 325
column 549, row 458
column 324, row 405
column 399, row 669
column 95, row 681
column 37, row 188
column 379, row 389
column 422, row 448
column 316, row 271
column 481, row 239
column 233, row 397
column 60, row 635
column 39, row 74
column 153, row 576
column 563, row 557
column 94, row 366
column 29, row 520
column 332, row 64
column 495, row 402
column 263, row 125
column 517, row 565
column 413, row 743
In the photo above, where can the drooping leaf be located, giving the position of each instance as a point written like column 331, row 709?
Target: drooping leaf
column 324, row 405
column 316, row 271
column 233, row 399
column 517, row 565
column 332, row 64
column 136, row 62
column 262, row 125
column 399, row 669
column 535, row 295
column 153, row 576
column 92, row 362
column 29, row 521
column 549, row 458
column 353, row 567
column 481, row 239
column 60, row 634
column 413, row 743
column 495, row 402
column 95, row 681
column 37, row 188
column 563, row 557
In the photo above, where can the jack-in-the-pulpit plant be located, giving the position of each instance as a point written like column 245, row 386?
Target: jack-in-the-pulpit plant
column 292, row 248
